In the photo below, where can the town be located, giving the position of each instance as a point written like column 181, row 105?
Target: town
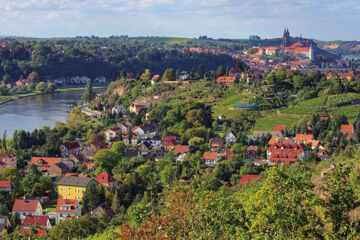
column 275, row 123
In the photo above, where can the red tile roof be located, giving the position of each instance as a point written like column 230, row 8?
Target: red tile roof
column 210, row 155
column 303, row 137
column 104, row 178
column 286, row 153
column 21, row 205
column 226, row 79
column 4, row 184
column 181, row 149
column 279, row 127
column 248, row 178
column 61, row 202
column 44, row 162
column 169, row 138
column 347, row 128
column 322, row 153
column 35, row 220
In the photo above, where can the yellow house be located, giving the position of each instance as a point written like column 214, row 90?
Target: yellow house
column 70, row 187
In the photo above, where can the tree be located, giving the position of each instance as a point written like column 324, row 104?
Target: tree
column 51, row 87
column 167, row 175
column 220, row 71
column 41, row 86
column 169, row 75
column 106, row 159
column 89, row 92
column 4, row 140
column 201, row 71
column 31, row 178
column 33, row 77
column 93, row 197
column 146, row 75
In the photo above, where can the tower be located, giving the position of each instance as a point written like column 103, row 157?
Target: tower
column 286, row 38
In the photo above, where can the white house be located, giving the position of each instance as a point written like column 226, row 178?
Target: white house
column 112, row 133
column 230, row 138
column 138, row 130
column 84, row 79
column 100, row 80
column 67, row 208
column 5, row 186
column 27, row 208
column 211, row 159
column 119, row 109
column 60, row 81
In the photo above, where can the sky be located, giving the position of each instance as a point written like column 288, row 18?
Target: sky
column 317, row 19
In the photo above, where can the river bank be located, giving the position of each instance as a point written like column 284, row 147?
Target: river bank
column 6, row 99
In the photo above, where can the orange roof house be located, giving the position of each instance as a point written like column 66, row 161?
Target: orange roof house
column 347, row 128
column 226, row 80
column 43, row 163
column 273, row 140
column 303, row 138
column 181, row 149
column 279, row 128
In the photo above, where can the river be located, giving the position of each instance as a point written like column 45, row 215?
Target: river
column 37, row 111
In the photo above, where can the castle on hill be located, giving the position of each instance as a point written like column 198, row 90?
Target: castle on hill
column 300, row 47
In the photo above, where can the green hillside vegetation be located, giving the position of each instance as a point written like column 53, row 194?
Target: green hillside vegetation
column 267, row 123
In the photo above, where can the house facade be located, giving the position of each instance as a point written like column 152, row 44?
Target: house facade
column 71, row 187
column 67, row 208
column 25, row 208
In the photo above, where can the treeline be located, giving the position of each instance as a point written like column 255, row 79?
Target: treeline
column 67, row 58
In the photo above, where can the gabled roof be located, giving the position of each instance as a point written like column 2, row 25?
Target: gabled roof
column 103, row 207
column 303, row 137
column 21, row 205
column 4, row 184
column 36, row 220
column 45, row 162
column 74, row 181
column 226, row 79
column 279, row 128
column 104, row 178
column 347, row 128
column 212, row 156
column 181, row 149
column 247, row 178
column 71, row 145
column 322, row 153
column 71, row 202
column 169, row 138
column 273, row 140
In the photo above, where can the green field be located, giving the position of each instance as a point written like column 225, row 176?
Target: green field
column 267, row 123
column 244, row 98
column 332, row 100
column 301, row 110
column 349, row 112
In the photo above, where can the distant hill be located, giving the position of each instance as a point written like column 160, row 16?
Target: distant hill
column 341, row 47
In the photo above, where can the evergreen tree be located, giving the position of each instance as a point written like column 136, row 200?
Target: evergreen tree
column 89, row 92
column 220, row 71
column 201, row 71
column 4, row 140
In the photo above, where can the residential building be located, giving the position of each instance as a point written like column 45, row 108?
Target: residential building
column 68, row 148
column 44, row 163
column 303, row 138
column 100, row 80
column 102, row 209
column 211, row 159
column 323, row 154
column 251, row 151
column 137, row 108
column 216, row 143
column 4, row 223
column 226, row 81
column 9, row 160
column 112, row 134
column 117, row 109
column 145, row 148
column 25, row 208
column 5, row 186
column 170, row 142
column 284, row 153
column 58, row 169
column 70, row 187
column 181, row 151
column 41, row 221
column 230, row 138
column 67, row 208
column 106, row 180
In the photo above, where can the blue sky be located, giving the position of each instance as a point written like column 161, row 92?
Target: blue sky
column 319, row 19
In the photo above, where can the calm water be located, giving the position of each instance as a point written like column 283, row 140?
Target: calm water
column 37, row 111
